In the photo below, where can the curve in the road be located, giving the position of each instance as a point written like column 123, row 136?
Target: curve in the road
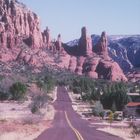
column 77, row 133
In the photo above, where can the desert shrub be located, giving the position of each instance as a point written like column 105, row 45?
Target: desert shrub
column 30, row 120
column 86, row 97
column 1, row 77
column 34, row 109
column 46, row 83
column 40, row 84
column 50, row 82
column 111, row 117
column 101, row 114
column 18, row 91
column 115, row 96
column 135, row 129
column 76, row 90
column 38, row 103
column 4, row 96
column 116, row 116
column 98, row 109
column 113, row 108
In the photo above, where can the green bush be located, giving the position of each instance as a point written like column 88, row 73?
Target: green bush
column 38, row 102
column 40, row 84
column 47, row 82
column 34, row 109
column 98, row 109
column 111, row 117
column 76, row 90
column 115, row 96
column 4, row 96
column 18, row 91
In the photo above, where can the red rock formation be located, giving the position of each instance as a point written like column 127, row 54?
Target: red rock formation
column 58, row 43
column 85, row 43
column 97, row 67
column 89, row 67
column 101, row 47
column 17, row 21
column 72, row 64
column 47, row 37
column 79, row 66
column 110, row 70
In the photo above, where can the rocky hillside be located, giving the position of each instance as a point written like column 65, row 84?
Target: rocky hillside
column 18, row 23
column 21, row 40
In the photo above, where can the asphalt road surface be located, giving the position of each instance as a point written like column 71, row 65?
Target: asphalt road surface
column 68, row 125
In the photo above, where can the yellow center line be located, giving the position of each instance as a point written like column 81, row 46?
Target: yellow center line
column 77, row 133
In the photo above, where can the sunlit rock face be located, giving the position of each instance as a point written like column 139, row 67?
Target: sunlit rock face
column 17, row 23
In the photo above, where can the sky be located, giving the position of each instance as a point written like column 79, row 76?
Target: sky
column 67, row 17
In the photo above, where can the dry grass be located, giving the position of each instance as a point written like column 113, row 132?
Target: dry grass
column 18, row 123
column 124, row 133
column 20, row 131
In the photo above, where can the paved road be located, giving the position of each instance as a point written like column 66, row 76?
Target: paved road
column 68, row 125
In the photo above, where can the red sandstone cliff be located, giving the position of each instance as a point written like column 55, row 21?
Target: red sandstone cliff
column 17, row 23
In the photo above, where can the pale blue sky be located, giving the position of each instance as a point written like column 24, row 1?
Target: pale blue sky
column 68, row 16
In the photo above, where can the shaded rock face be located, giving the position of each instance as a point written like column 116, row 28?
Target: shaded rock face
column 102, row 46
column 79, row 66
column 17, row 24
column 85, row 43
column 110, row 70
column 72, row 64
column 134, row 75
column 97, row 67
column 89, row 67
column 119, row 55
